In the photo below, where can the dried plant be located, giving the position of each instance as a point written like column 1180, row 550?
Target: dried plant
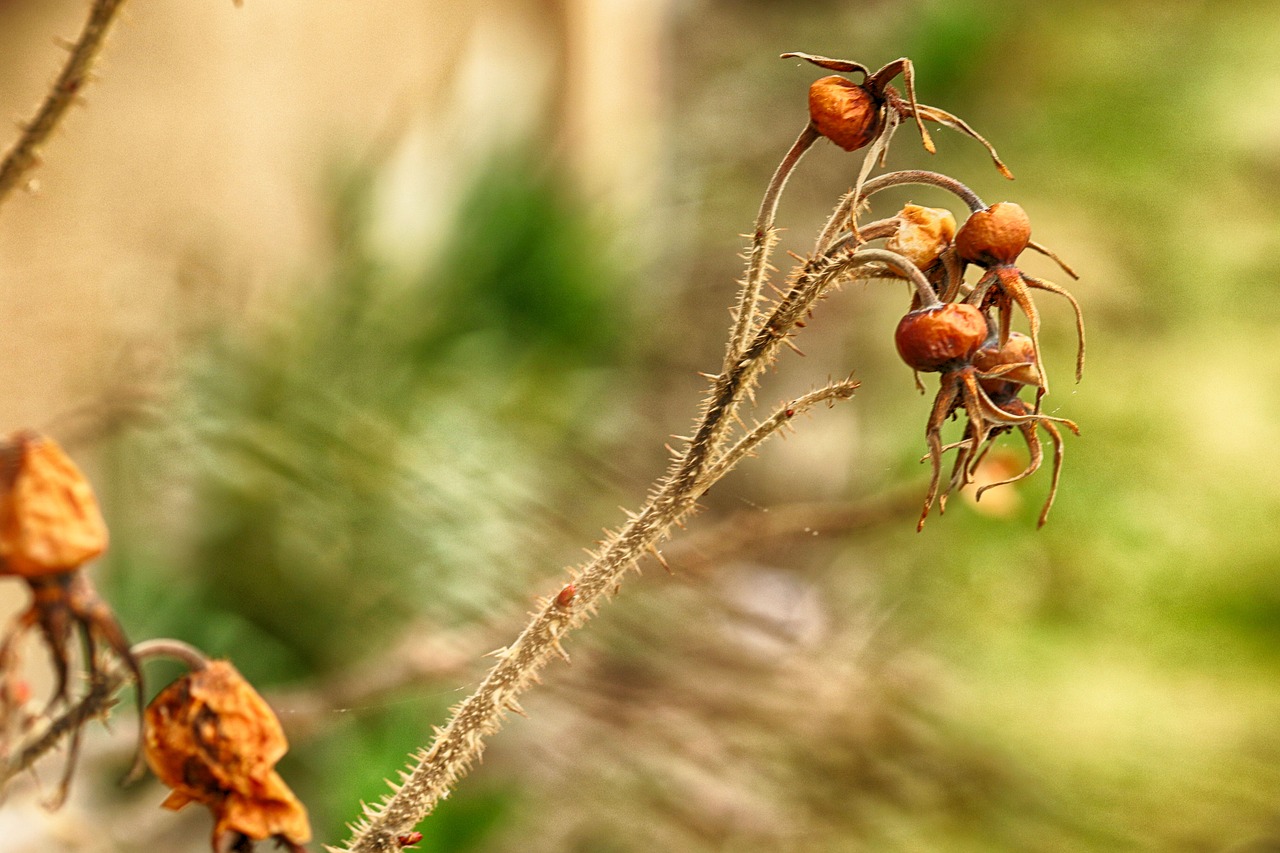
column 936, row 336
column 213, row 739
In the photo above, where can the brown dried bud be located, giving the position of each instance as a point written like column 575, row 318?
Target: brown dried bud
column 213, row 740
column 932, row 339
column 994, row 236
column 844, row 112
column 923, row 234
column 49, row 518
column 1018, row 350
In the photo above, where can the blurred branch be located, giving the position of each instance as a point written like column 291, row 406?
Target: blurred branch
column 25, row 153
column 100, row 698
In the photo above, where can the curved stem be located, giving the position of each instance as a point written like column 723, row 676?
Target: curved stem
column 762, row 241
column 24, row 155
column 904, row 177
column 928, row 299
column 461, row 742
column 166, row 648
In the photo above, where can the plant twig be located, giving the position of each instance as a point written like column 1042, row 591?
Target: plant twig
column 95, row 703
column 461, row 742
column 25, row 153
column 99, row 699
column 762, row 241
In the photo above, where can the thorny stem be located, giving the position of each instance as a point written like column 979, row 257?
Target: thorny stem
column 883, row 182
column 748, row 443
column 461, row 742
column 25, row 153
column 99, row 699
column 96, row 702
column 762, row 241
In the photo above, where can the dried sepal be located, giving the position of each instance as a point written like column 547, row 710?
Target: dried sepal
column 49, row 517
column 211, row 738
column 1015, row 362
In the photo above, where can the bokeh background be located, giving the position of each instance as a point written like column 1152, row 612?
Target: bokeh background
column 365, row 318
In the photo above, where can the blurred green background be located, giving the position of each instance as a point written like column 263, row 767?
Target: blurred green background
column 357, row 488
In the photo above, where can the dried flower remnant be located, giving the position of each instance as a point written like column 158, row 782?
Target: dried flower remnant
column 211, row 738
column 50, row 526
column 922, row 234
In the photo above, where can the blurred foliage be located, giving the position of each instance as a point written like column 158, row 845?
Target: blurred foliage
column 362, row 457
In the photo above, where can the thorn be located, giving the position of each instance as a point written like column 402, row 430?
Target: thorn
column 794, row 348
column 514, row 707
column 657, row 555
column 65, row 43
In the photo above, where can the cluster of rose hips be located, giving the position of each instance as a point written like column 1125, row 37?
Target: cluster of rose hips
column 961, row 332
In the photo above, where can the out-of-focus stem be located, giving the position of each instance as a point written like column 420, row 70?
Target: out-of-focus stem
column 25, row 153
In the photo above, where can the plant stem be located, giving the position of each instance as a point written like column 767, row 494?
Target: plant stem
column 461, row 742
column 25, row 153
column 762, row 241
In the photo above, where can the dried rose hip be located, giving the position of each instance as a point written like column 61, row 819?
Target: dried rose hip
column 994, row 236
column 932, row 339
column 844, row 112
column 49, row 518
column 211, row 738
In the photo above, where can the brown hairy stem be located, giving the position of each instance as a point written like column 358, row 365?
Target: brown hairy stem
column 762, row 242
column 99, row 699
column 703, row 462
column 25, row 153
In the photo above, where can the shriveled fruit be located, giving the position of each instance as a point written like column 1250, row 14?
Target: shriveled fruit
column 994, row 236
column 49, row 519
column 923, row 234
column 213, row 740
column 935, row 338
column 844, row 112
